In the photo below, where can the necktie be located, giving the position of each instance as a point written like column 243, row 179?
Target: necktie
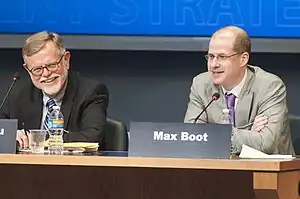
column 230, row 100
column 49, row 106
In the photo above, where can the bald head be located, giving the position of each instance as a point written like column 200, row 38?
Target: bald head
column 228, row 56
column 241, row 40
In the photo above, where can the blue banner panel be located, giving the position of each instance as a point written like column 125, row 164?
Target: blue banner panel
column 260, row 18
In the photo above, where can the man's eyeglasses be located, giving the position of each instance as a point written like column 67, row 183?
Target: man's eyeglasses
column 38, row 70
column 220, row 57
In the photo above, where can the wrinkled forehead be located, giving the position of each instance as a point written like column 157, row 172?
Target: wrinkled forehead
column 46, row 55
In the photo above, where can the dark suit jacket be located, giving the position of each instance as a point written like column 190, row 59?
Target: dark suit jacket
column 84, row 107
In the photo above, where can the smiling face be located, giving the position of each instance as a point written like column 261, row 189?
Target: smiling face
column 226, row 66
column 48, row 68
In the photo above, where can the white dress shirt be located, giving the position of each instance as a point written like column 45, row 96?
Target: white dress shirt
column 237, row 89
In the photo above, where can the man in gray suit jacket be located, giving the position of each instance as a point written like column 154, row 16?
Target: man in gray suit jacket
column 256, row 99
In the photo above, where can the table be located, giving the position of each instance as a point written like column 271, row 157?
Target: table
column 49, row 177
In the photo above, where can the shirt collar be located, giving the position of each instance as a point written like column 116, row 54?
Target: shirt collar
column 237, row 89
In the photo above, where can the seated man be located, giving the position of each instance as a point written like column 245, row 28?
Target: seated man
column 256, row 98
column 82, row 101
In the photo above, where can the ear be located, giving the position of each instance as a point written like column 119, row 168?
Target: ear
column 244, row 59
column 25, row 63
column 67, row 58
column 25, row 67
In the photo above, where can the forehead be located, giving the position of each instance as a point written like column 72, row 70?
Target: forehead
column 221, row 44
column 47, row 54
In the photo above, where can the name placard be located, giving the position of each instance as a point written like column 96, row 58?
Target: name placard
column 8, row 133
column 183, row 136
column 179, row 140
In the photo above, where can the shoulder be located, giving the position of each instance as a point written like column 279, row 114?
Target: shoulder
column 202, row 84
column 202, row 79
column 22, row 87
column 263, row 77
column 86, row 86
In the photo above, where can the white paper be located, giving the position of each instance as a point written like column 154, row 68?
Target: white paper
column 248, row 152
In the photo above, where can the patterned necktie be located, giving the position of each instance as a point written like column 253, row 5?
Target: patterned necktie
column 230, row 100
column 49, row 106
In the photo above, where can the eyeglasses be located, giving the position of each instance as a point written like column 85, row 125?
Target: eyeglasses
column 52, row 67
column 220, row 57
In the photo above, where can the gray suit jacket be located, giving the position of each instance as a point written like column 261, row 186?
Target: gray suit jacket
column 262, row 93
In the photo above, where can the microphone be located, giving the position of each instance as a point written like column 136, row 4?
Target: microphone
column 214, row 97
column 15, row 78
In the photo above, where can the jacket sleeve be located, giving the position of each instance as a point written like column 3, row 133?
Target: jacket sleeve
column 93, row 114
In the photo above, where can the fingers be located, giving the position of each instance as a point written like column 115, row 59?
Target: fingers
column 259, row 127
column 259, row 122
column 260, row 118
column 22, row 139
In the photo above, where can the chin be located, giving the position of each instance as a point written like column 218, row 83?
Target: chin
column 217, row 81
column 52, row 90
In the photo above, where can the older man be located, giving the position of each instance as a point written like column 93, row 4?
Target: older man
column 256, row 98
column 82, row 101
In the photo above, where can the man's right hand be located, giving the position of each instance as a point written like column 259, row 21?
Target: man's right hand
column 22, row 139
column 259, row 123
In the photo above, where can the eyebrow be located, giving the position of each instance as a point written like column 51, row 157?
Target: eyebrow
column 47, row 63
column 218, row 53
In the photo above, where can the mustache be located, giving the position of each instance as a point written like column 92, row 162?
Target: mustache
column 62, row 75
column 50, row 78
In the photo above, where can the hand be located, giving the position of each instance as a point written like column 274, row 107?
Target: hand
column 22, row 139
column 259, row 123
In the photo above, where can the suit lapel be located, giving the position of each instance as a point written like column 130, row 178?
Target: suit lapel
column 68, row 98
column 244, row 104
column 221, row 103
column 34, row 109
column 217, row 106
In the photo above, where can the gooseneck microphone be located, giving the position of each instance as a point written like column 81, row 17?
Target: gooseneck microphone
column 214, row 97
column 15, row 78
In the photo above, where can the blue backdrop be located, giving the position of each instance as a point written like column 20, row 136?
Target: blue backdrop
column 261, row 18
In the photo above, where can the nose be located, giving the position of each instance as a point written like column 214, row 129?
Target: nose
column 213, row 63
column 46, row 72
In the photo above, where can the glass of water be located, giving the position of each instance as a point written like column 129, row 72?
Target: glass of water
column 36, row 139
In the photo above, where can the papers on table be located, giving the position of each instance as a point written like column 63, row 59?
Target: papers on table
column 248, row 152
